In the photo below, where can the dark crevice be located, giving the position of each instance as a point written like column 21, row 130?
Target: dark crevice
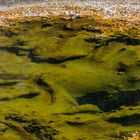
column 34, row 58
column 30, row 95
column 25, row 96
column 5, row 99
column 58, row 60
column 93, row 40
column 122, row 67
column 126, row 39
column 116, row 38
column 126, row 120
column 73, row 123
column 15, row 50
column 8, row 83
column 45, row 85
column 47, row 88
column 108, row 101
column 122, row 50
column 45, row 25
column 138, row 62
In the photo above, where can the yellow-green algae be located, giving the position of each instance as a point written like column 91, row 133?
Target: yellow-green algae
column 49, row 68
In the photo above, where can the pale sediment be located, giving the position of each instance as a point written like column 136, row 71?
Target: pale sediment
column 123, row 10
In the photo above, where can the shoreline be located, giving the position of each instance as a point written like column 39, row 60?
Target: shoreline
column 125, row 12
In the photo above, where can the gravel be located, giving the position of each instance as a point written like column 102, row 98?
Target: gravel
column 124, row 9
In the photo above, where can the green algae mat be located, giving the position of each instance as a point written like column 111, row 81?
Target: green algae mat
column 69, row 80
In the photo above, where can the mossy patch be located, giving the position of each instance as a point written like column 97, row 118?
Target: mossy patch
column 68, row 79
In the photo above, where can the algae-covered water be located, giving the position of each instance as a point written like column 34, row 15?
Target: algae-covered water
column 69, row 79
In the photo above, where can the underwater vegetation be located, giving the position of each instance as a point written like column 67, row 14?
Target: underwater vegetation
column 69, row 80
